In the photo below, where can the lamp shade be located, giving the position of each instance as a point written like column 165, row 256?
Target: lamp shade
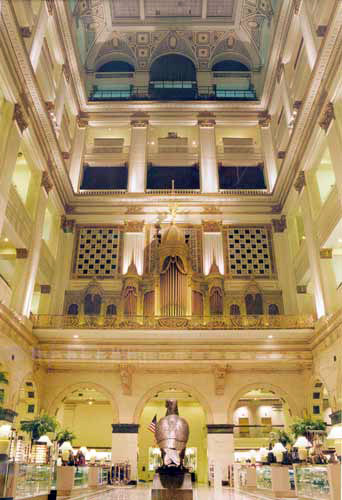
column 5, row 431
column 336, row 432
column 66, row 446
column 278, row 448
column 92, row 453
column 302, row 442
column 84, row 450
column 45, row 440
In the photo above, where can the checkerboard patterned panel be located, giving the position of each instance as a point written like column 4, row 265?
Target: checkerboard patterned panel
column 249, row 251
column 98, row 251
column 190, row 236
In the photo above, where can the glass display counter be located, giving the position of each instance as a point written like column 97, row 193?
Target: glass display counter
column 81, row 477
column 33, row 480
column 312, row 481
column 264, row 477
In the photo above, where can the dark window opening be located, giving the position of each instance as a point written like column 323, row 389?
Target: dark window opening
column 316, row 395
column 273, row 309
column 73, row 310
column 111, row 310
column 241, row 178
column 30, row 409
column 116, row 66
column 316, row 410
column 105, row 178
column 183, row 177
column 229, row 65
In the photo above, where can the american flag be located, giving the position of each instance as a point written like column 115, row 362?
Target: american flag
column 153, row 425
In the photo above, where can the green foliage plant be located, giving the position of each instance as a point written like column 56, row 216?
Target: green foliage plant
column 39, row 426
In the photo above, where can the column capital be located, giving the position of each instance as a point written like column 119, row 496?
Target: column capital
column 300, row 182
column 67, row 225
column 206, row 122
column 45, row 289
column 134, row 226
column 328, row 116
column 18, row 116
column 325, row 253
column 21, row 253
column 264, row 120
column 26, row 32
column 126, row 372
column 297, row 5
column 279, row 225
column 220, row 372
column 66, row 71
column 280, row 70
column 211, row 226
column 139, row 122
column 46, row 182
column 49, row 6
column 82, row 121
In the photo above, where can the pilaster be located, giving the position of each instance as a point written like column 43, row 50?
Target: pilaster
column 137, row 161
column 208, row 160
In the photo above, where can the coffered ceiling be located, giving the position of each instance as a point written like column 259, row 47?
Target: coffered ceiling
column 206, row 31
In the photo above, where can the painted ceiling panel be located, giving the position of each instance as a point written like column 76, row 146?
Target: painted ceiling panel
column 173, row 8
column 219, row 8
column 124, row 8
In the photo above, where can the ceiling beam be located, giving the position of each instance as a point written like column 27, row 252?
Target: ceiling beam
column 142, row 9
column 204, row 8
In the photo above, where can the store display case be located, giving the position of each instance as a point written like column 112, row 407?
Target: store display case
column 319, row 482
column 245, row 476
column 81, row 477
column 264, row 477
column 32, row 480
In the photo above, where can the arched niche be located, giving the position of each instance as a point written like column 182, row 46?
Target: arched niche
column 319, row 404
column 173, row 67
column 116, row 66
column 231, row 65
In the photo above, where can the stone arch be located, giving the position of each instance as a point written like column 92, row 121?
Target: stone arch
column 309, row 397
column 54, row 406
column 164, row 386
column 256, row 385
column 233, row 56
column 117, row 56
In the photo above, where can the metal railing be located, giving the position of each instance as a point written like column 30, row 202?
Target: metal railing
column 261, row 322
column 181, row 94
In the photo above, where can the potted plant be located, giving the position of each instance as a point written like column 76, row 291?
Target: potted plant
column 282, row 437
column 308, row 427
column 5, row 414
column 65, row 435
column 39, row 426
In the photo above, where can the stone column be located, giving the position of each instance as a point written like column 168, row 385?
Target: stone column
column 208, row 160
column 39, row 34
column 284, row 265
column 221, row 447
column 63, row 265
column 9, row 157
column 61, row 94
column 312, row 245
column 76, row 161
column 125, row 446
column 331, row 127
column 45, row 299
column 137, row 161
column 26, row 286
column 268, row 151
column 305, row 23
column 329, row 280
column 19, row 270
column 285, row 95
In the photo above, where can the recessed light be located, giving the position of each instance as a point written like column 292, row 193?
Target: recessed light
column 90, row 402
column 6, row 239
column 340, row 240
column 270, row 336
column 75, row 336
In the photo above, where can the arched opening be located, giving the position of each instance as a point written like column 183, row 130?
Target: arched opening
column 273, row 309
column 111, row 310
column 116, row 67
column 192, row 410
column 320, row 408
column 234, row 310
column 81, row 405
column 73, row 310
column 173, row 76
column 229, row 65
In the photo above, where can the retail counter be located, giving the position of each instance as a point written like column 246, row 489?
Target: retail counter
column 321, row 482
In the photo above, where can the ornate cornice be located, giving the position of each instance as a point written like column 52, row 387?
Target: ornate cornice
column 21, row 253
column 264, row 120
column 67, row 225
column 325, row 253
column 18, row 116
column 82, row 121
column 327, row 117
column 279, row 225
column 300, row 182
column 211, row 226
column 134, row 226
column 46, row 182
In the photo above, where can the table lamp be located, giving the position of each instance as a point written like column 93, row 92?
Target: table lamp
column 336, row 435
column 302, row 444
column 278, row 451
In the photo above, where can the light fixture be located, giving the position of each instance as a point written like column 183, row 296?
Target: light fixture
column 84, row 450
column 75, row 336
column 66, row 446
column 278, row 451
column 6, row 240
column 5, row 431
column 90, row 402
column 270, row 336
column 45, row 440
column 302, row 444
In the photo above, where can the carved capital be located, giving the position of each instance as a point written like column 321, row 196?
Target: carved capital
column 297, row 5
column 138, row 209
column 219, row 372
column 206, row 122
column 321, row 30
column 327, row 117
column 67, row 225
column 66, row 155
column 46, row 182
column 21, row 253
column 210, row 226
column 126, row 377
column 49, row 5
column 280, row 71
column 82, row 121
column 281, row 155
column 45, row 289
column 265, row 120
column 25, row 31
column 325, row 253
column 66, row 71
column 139, row 123
column 211, row 210
column 297, row 105
column 276, row 209
column 301, row 289
column 279, row 225
column 300, row 182
column 134, row 226
column 18, row 116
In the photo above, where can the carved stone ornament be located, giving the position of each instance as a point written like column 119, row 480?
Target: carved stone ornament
column 265, row 120
column 134, row 226
column 297, row 5
column 46, row 182
column 21, row 253
column 82, row 121
column 300, row 182
column 19, row 117
column 66, row 155
column 25, row 32
column 279, row 225
column 301, row 289
column 126, row 378
column 211, row 226
column 325, row 253
column 139, row 123
column 211, row 210
column 321, row 30
column 49, row 5
column 281, row 155
column 45, row 289
column 206, row 122
column 297, row 105
column 280, row 71
column 66, row 71
column 327, row 117
column 220, row 373
column 67, row 225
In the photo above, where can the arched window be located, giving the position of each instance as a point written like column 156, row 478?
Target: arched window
column 116, row 67
column 73, row 309
column 92, row 304
column 273, row 309
column 253, row 304
column 229, row 65
column 111, row 310
column 234, row 310
column 216, row 300
column 173, row 67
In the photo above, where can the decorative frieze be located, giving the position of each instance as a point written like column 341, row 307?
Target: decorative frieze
column 126, row 372
column 139, row 123
column 301, row 289
column 46, row 182
column 325, row 253
column 134, row 226
column 211, row 210
column 21, row 253
column 67, row 225
column 45, row 289
column 265, row 120
column 279, row 225
column 300, row 182
column 327, row 117
column 211, row 226
column 18, row 116
column 220, row 372
column 82, row 121
column 135, row 210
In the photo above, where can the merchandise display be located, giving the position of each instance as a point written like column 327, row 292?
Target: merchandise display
column 264, row 477
column 33, row 480
column 81, row 477
column 312, row 482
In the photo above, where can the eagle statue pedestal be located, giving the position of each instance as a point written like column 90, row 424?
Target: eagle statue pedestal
column 172, row 480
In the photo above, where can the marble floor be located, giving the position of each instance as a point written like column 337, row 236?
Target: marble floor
column 143, row 492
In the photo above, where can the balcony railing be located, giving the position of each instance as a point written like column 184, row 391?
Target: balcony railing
column 194, row 94
column 261, row 322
